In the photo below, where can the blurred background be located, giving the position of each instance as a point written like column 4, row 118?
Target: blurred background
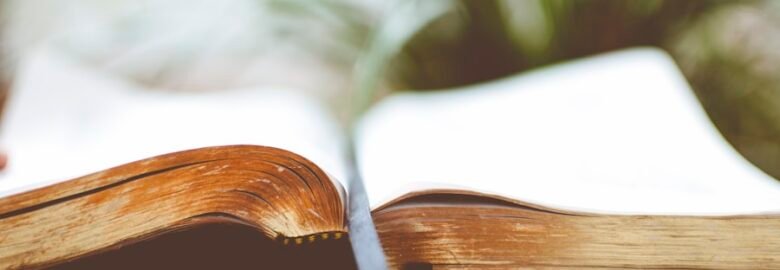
column 351, row 53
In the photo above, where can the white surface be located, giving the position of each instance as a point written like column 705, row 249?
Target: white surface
column 617, row 133
column 64, row 121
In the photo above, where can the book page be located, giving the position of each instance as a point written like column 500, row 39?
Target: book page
column 615, row 133
column 64, row 120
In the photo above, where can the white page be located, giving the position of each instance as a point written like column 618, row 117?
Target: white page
column 616, row 133
column 64, row 120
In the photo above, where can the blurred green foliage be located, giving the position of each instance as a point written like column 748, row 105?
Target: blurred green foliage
column 731, row 57
column 482, row 40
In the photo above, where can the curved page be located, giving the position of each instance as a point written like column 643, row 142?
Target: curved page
column 64, row 120
column 616, row 133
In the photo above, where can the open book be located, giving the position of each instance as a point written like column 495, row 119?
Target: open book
column 603, row 162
